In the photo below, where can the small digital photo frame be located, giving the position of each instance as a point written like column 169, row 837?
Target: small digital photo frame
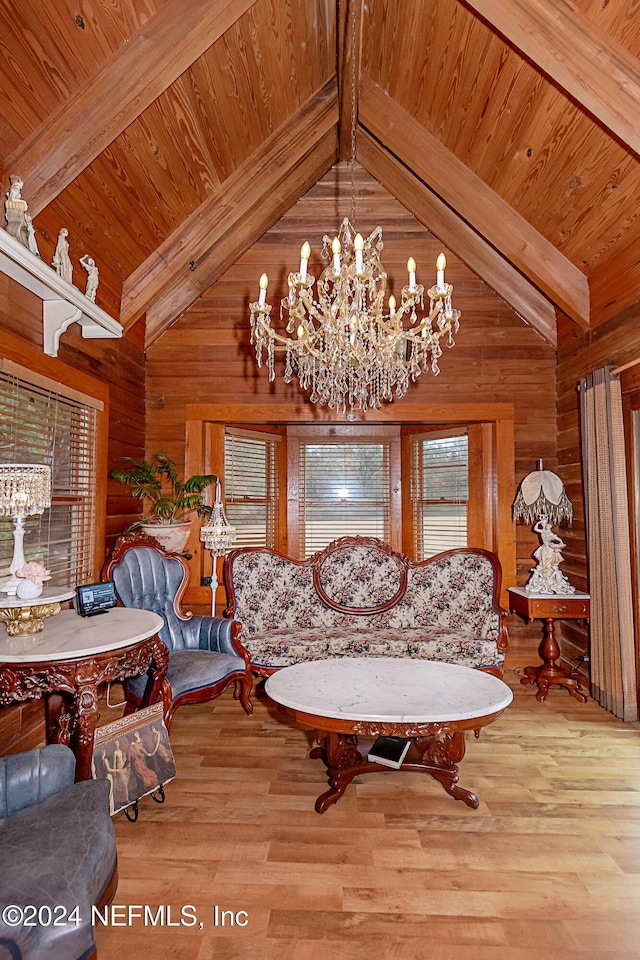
column 92, row 598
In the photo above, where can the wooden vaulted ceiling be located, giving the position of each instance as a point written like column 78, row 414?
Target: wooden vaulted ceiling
column 169, row 135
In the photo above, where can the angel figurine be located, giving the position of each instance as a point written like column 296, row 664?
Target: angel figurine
column 89, row 265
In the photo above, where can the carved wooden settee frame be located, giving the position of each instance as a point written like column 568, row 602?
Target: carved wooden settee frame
column 358, row 597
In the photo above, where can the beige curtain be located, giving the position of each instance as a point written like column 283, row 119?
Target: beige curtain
column 612, row 656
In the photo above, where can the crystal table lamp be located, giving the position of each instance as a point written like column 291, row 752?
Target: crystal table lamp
column 218, row 538
column 542, row 498
column 25, row 490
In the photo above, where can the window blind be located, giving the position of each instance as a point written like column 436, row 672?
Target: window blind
column 344, row 491
column 251, row 487
column 41, row 421
column 439, row 493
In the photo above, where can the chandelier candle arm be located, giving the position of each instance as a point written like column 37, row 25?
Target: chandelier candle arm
column 336, row 249
column 264, row 283
column 411, row 267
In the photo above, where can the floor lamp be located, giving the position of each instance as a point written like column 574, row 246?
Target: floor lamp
column 25, row 490
column 218, row 538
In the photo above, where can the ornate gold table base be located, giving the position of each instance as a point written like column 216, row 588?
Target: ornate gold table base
column 70, row 690
column 23, row 621
column 436, row 754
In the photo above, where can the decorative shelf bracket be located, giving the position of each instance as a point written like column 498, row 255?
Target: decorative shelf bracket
column 62, row 303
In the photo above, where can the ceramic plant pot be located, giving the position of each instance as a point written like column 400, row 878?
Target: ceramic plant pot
column 172, row 536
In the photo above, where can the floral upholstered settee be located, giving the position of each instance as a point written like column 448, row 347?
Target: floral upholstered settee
column 358, row 597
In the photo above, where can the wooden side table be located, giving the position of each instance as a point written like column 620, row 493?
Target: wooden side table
column 574, row 606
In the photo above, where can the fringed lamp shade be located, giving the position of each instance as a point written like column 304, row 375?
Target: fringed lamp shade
column 217, row 535
column 25, row 489
column 218, row 538
column 542, row 493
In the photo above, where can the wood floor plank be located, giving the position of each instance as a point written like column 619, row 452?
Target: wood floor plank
column 547, row 868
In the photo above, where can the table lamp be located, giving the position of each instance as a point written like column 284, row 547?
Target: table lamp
column 542, row 498
column 25, row 490
column 218, row 538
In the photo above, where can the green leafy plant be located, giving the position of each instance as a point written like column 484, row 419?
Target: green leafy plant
column 157, row 482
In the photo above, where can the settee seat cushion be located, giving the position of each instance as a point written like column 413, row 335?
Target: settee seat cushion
column 282, row 648
column 44, row 862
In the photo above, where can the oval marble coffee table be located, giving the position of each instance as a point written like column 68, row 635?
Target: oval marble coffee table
column 431, row 704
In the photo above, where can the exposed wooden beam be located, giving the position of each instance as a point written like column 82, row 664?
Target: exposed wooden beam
column 527, row 301
column 244, row 233
column 350, row 20
column 491, row 216
column 249, row 185
column 569, row 47
column 60, row 149
column 252, row 222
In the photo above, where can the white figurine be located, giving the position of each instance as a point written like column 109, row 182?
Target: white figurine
column 92, row 277
column 32, row 243
column 547, row 576
column 15, row 212
column 61, row 260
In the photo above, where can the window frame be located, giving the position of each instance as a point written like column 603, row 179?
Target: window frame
column 272, row 482
column 298, row 435
column 490, row 422
column 72, row 381
column 417, row 502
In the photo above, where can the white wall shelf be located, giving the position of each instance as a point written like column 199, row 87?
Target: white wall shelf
column 62, row 303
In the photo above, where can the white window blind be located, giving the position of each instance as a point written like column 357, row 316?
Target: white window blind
column 344, row 491
column 439, row 493
column 42, row 421
column 251, row 486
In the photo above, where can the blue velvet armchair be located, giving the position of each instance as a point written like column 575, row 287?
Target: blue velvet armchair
column 57, row 855
column 204, row 656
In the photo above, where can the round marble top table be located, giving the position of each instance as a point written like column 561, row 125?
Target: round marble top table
column 71, row 658
column 431, row 704
column 69, row 636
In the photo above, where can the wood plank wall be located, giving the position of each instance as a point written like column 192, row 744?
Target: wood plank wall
column 120, row 364
column 617, row 341
column 206, row 356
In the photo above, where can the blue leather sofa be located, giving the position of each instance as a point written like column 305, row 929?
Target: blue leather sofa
column 57, row 853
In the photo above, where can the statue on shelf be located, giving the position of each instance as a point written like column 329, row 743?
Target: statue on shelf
column 89, row 265
column 32, row 243
column 15, row 212
column 61, row 260
column 547, row 576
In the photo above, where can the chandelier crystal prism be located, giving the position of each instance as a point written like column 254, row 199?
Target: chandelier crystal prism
column 343, row 342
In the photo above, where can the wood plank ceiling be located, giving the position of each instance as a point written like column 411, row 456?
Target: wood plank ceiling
column 169, row 135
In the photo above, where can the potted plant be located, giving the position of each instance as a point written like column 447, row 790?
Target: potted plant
column 171, row 499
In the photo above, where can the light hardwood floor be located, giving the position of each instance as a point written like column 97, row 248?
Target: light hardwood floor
column 547, row 867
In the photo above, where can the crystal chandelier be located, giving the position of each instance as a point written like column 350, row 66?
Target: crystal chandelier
column 341, row 343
